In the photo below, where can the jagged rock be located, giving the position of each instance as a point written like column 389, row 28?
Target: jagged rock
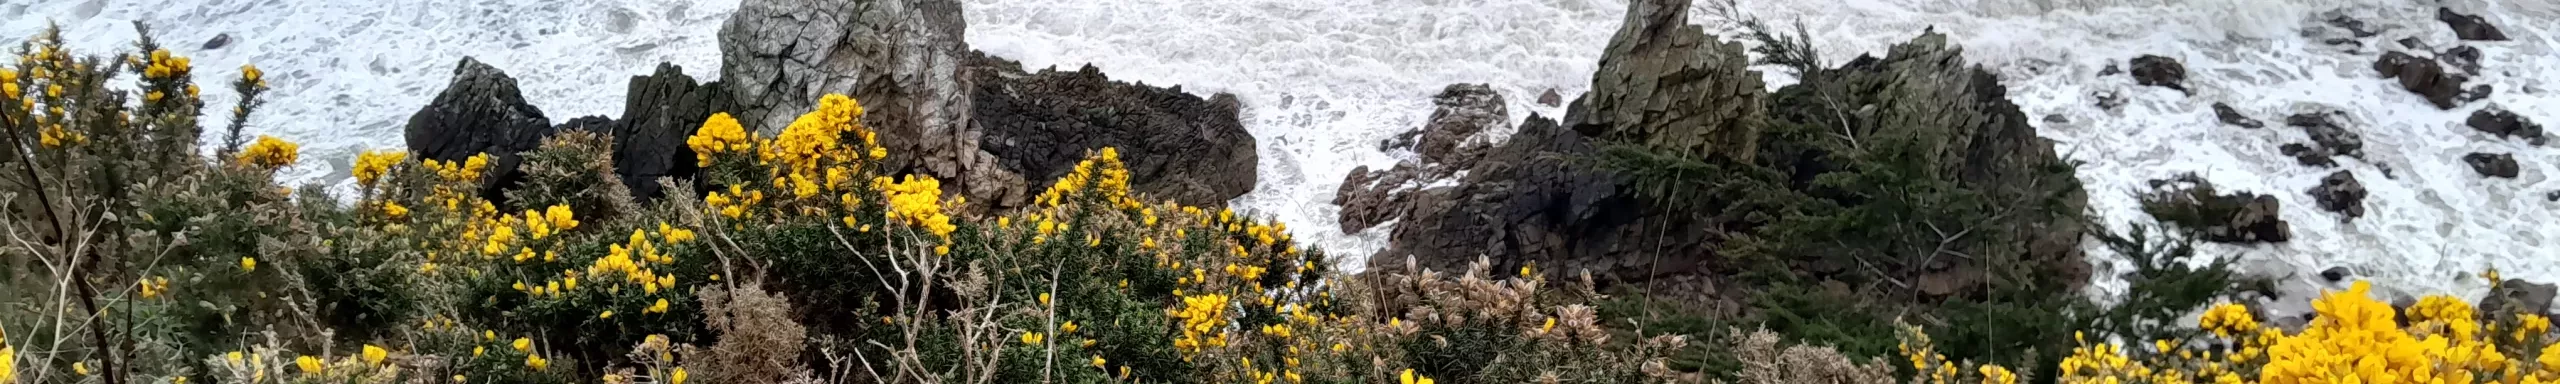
column 1464, row 110
column 2309, row 155
column 2326, row 128
column 2552, row 196
column 1526, row 201
column 2232, row 116
column 2110, row 70
column 2529, row 297
column 2339, row 192
column 2469, row 27
column 2160, row 71
column 2466, row 58
column 902, row 59
column 2056, row 118
column 2412, row 43
column 2493, row 164
column 481, row 111
column 2498, row 121
column 1176, row 145
column 2109, row 100
column 2336, row 274
column 1666, row 82
column 2425, row 77
column 2239, row 217
column 662, row 109
column 219, row 41
column 597, row 124
column 1369, row 197
column 1551, row 98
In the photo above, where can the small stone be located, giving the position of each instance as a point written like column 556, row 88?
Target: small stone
column 2327, row 129
column 2110, row 100
column 2335, row 274
column 1551, row 98
column 2501, row 165
column 2469, row 27
column 219, row 41
column 2498, row 121
column 2341, row 193
column 2110, row 70
column 2465, row 57
column 2353, row 26
column 2552, row 196
column 2056, row 119
column 2412, row 43
column 2308, row 155
column 2232, row 116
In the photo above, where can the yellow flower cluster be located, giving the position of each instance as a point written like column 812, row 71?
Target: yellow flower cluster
column 152, row 287
column 1917, row 348
column 734, row 204
column 630, row 262
column 371, row 165
column 2356, row 339
column 8, row 360
column 164, row 65
column 270, row 152
column 55, row 136
column 251, row 74
column 916, row 201
column 1204, row 322
column 1101, row 173
column 719, row 134
column 467, row 170
column 2228, row 320
column 816, row 136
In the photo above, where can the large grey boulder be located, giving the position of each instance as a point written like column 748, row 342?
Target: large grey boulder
column 902, row 59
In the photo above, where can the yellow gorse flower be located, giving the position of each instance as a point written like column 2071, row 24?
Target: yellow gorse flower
column 270, row 152
column 374, row 355
column 310, row 365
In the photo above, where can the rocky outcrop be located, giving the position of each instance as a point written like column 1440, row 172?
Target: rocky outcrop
column 903, row 59
column 2160, row 71
column 1664, row 82
column 2428, row 79
column 2502, row 165
column 2327, row 128
column 2239, row 217
column 2526, row 296
column 2465, row 58
column 2232, row 116
column 2309, row 155
column 1369, row 197
column 2498, row 121
column 2469, row 27
column 658, row 113
column 1176, row 145
column 2339, row 192
column 1524, row 201
column 480, row 111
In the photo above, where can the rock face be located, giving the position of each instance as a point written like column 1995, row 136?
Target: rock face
column 2327, row 128
column 1524, row 202
column 2498, row 121
column 2469, row 27
column 2160, row 71
column 2493, row 164
column 662, row 109
column 1176, row 145
column 2231, row 116
column 2339, row 192
column 2309, row 155
column 2529, row 297
column 1551, row 98
column 1464, row 110
column 481, row 111
column 903, row 59
column 1662, row 81
column 2428, row 79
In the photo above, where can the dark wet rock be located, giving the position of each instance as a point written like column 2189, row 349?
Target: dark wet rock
column 2233, row 117
column 1369, row 197
column 2109, row 100
column 2056, row 119
column 2328, row 128
column 2423, row 76
column 1464, row 110
column 2413, row 43
column 2309, row 155
column 2498, row 121
column 2493, row 164
column 2239, row 217
column 219, row 41
column 2341, row 193
column 2110, row 70
column 2525, row 296
column 1177, row 146
column 480, row 111
column 2552, row 196
column 1551, row 98
column 2160, row 71
column 662, row 109
column 2336, row 274
column 2466, row 58
column 2353, row 26
column 2469, row 27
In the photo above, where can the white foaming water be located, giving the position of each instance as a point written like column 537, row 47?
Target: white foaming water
column 1324, row 81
